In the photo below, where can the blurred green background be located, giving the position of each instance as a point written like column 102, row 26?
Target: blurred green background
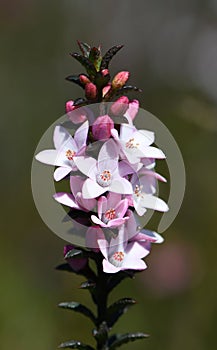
column 170, row 50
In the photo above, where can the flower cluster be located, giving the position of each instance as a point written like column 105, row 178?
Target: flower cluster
column 117, row 185
column 114, row 188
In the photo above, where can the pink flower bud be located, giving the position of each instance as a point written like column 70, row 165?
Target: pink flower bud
column 69, row 106
column 77, row 115
column 84, row 79
column 106, row 89
column 105, row 72
column 133, row 109
column 76, row 264
column 101, row 128
column 120, row 79
column 119, row 107
column 90, row 91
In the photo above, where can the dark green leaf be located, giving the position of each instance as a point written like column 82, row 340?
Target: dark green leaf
column 75, row 344
column 89, row 66
column 87, row 285
column 109, row 55
column 77, row 307
column 119, row 339
column 80, row 102
column 75, row 79
column 85, row 48
column 117, row 309
column 75, row 253
column 127, row 88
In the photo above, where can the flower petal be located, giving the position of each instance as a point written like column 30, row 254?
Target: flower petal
column 48, row 156
column 66, row 199
column 121, row 185
column 60, row 136
column 80, row 136
column 87, row 165
column 60, row 173
column 92, row 190
column 151, row 202
column 109, row 268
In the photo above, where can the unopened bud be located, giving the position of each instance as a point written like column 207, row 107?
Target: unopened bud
column 90, row 91
column 105, row 72
column 119, row 107
column 69, row 106
column 101, row 128
column 106, row 89
column 84, row 79
column 120, row 79
column 133, row 109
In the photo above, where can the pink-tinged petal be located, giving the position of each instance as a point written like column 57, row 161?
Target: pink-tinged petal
column 133, row 264
column 108, row 164
column 78, row 115
column 113, row 199
column 152, row 202
column 80, row 136
column 153, row 152
column 109, row 151
column 125, row 168
column 109, row 268
column 121, row 208
column 66, row 199
column 86, row 204
column 48, row 156
column 151, row 173
column 97, row 221
column 102, row 206
column 92, row 190
column 103, row 246
column 87, row 165
column 114, row 133
column 121, row 185
column 149, row 163
column 60, row 173
column 131, row 224
column 126, row 131
column 150, row 236
column 117, row 222
column 76, row 183
column 132, row 110
column 136, row 250
column 61, row 136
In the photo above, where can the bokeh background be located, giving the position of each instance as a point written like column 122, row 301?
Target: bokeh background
column 171, row 52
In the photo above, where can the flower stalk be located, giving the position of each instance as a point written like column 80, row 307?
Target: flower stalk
column 108, row 192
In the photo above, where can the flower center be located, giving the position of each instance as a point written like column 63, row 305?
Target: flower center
column 104, row 179
column 109, row 215
column 117, row 258
column 70, row 154
column 138, row 191
column 132, row 143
